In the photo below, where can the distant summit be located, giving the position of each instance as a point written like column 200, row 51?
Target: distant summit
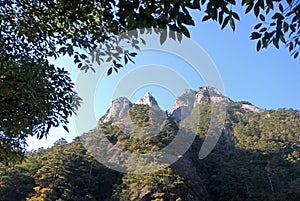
column 210, row 94
column 187, row 101
column 184, row 104
column 148, row 99
column 117, row 110
column 182, row 107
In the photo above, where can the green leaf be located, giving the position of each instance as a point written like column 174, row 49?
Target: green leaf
column 143, row 41
column 262, row 17
column 109, row 71
column 163, row 36
column 185, row 31
column 131, row 59
column 221, row 14
column 83, row 56
column 261, row 4
column 119, row 49
column 280, row 7
column 275, row 43
column 289, row 14
column 291, row 46
column 270, row 4
column 232, row 2
column 258, row 26
column 172, row 35
column 132, row 54
column 205, row 18
column 249, row 8
column 285, row 27
column 236, row 16
column 258, row 46
column 118, row 65
column 278, row 16
column 225, row 22
column 93, row 69
column 296, row 55
column 66, row 128
column 255, row 35
column 295, row 18
column 292, row 27
column 98, row 59
column 256, row 9
column 109, row 59
column 232, row 24
column 282, row 38
column 263, row 29
column 179, row 36
column 264, row 42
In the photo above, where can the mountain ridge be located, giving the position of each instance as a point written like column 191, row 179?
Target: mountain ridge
column 181, row 107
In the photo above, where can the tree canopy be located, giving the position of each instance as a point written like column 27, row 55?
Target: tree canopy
column 34, row 97
column 33, row 31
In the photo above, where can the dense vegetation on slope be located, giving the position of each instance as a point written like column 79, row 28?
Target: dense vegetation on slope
column 257, row 158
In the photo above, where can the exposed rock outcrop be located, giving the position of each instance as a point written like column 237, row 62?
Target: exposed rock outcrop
column 148, row 99
column 252, row 108
column 184, row 104
column 118, row 109
column 181, row 109
column 190, row 98
column 210, row 94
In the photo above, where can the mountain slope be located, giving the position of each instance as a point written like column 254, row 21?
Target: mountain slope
column 256, row 158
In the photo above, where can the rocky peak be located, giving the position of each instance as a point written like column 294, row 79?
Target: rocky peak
column 118, row 109
column 187, row 101
column 148, row 99
column 210, row 94
column 184, row 104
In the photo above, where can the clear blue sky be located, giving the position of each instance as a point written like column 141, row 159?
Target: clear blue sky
column 269, row 79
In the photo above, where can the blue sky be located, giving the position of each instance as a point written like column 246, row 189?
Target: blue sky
column 269, row 79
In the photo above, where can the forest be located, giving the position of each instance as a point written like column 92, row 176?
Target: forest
column 256, row 158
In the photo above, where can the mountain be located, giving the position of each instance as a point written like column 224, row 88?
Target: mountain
column 117, row 110
column 256, row 158
column 190, row 98
column 210, row 94
column 182, row 107
column 148, row 99
column 184, row 104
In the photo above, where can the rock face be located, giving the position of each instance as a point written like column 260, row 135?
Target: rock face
column 181, row 108
column 148, row 99
column 118, row 109
column 187, row 101
column 210, row 94
column 184, row 104
column 252, row 108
